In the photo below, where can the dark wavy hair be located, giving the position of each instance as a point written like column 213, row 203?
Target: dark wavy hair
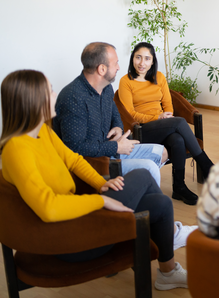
column 151, row 74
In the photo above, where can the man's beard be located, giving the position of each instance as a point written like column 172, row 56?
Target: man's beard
column 109, row 78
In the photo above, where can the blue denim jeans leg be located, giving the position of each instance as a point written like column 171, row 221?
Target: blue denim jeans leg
column 147, row 156
column 133, row 164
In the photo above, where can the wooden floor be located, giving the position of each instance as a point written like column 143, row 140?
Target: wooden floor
column 122, row 285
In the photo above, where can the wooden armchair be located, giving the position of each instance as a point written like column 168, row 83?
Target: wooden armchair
column 36, row 243
column 182, row 108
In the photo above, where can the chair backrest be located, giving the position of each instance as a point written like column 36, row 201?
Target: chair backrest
column 127, row 119
column 182, row 107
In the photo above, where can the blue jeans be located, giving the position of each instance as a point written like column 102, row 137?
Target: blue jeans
column 146, row 156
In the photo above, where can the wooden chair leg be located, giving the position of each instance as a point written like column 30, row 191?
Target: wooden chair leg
column 142, row 261
column 14, row 284
column 10, row 272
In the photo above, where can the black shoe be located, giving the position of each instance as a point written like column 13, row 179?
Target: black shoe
column 184, row 194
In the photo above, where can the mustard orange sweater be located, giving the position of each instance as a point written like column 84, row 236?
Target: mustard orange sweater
column 39, row 168
column 145, row 101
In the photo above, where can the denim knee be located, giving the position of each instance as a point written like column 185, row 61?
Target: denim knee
column 146, row 151
column 133, row 164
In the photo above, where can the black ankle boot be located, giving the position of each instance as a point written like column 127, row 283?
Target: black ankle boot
column 205, row 163
column 180, row 190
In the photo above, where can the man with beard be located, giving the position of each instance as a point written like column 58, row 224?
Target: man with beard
column 88, row 121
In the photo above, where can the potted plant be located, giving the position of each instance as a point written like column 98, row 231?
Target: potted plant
column 187, row 54
column 155, row 17
column 185, row 86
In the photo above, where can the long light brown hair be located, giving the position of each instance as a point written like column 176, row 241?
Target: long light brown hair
column 25, row 99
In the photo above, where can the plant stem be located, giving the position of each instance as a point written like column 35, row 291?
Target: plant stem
column 170, row 68
column 165, row 36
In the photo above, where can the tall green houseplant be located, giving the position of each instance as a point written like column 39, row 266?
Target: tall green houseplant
column 156, row 18
column 186, row 54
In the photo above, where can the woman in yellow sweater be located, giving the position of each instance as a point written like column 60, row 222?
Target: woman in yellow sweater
column 36, row 161
column 145, row 94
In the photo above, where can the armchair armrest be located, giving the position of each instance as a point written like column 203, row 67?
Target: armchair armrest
column 115, row 168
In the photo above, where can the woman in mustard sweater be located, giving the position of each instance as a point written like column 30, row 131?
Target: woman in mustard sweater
column 36, row 161
column 145, row 94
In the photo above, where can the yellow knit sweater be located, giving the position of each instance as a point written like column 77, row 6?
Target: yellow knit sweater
column 39, row 168
column 145, row 101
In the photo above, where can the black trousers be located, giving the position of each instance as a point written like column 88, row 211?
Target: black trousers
column 141, row 193
column 176, row 135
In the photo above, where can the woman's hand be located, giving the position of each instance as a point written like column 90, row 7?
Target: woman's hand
column 114, row 205
column 116, row 184
column 165, row 115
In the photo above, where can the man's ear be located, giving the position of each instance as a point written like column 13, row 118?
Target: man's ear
column 102, row 69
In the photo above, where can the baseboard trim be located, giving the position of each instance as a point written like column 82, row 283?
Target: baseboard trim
column 198, row 105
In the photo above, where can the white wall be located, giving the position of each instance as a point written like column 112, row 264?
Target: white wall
column 202, row 30
column 49, row 35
